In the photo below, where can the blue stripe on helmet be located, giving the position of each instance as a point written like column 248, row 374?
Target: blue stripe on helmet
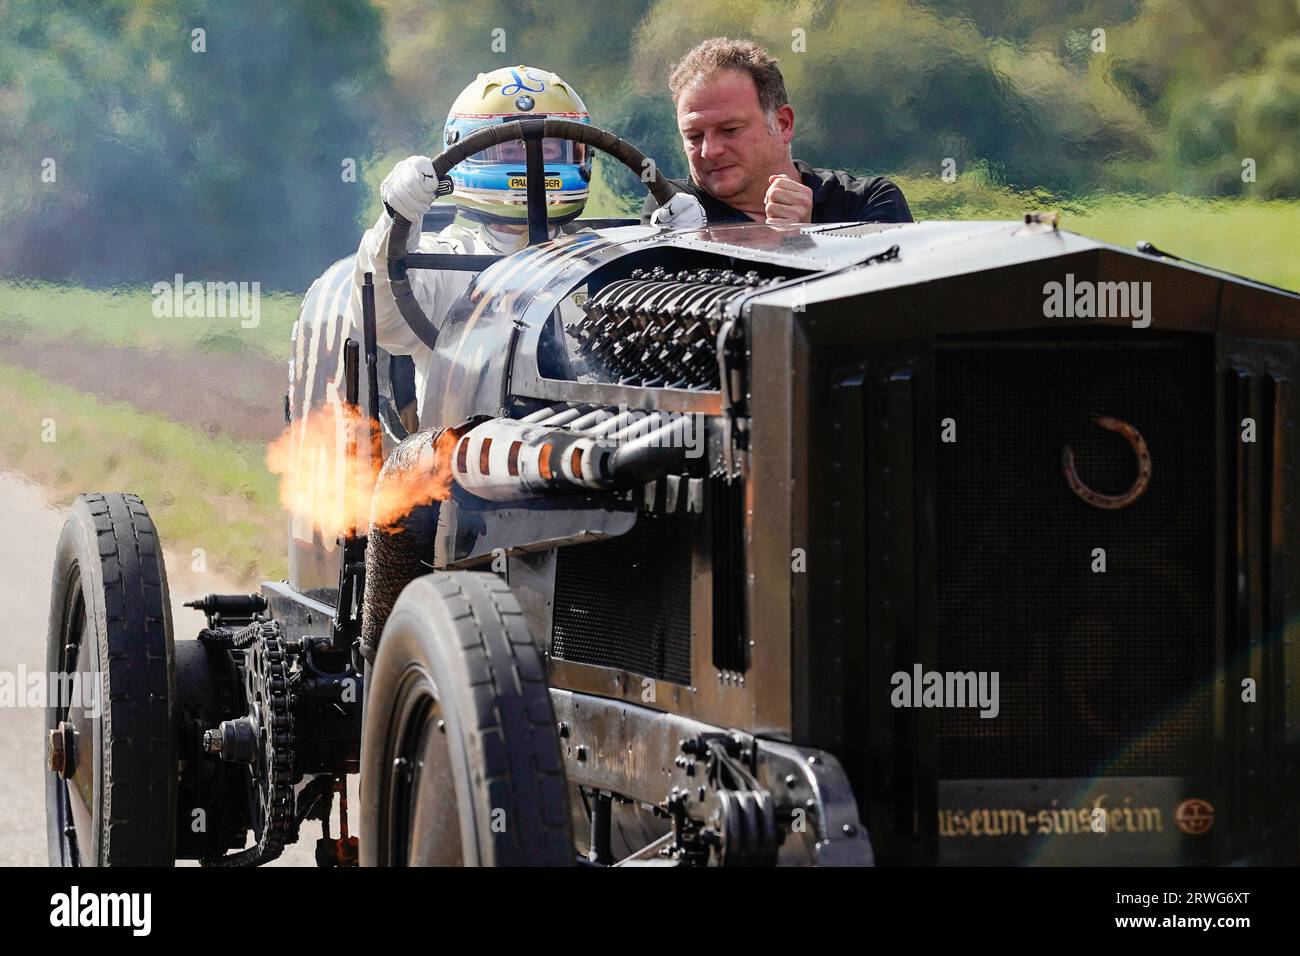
column 499, row 176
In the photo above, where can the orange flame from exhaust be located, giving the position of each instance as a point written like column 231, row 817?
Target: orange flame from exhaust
column 328, row 463
column 403, row 489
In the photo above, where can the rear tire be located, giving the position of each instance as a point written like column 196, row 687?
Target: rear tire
column 110, row 619
column 460, row 756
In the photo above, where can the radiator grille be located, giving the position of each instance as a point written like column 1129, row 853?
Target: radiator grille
column 1100, row 674
column 626, row 602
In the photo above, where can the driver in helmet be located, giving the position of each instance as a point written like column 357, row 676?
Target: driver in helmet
column 490, row 196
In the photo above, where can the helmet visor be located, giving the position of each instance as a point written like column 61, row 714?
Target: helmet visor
column 554, row 150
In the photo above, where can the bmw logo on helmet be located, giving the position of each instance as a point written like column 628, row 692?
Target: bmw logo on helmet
column 525, row 102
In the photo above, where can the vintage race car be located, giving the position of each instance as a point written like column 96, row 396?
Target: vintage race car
column 946, row 542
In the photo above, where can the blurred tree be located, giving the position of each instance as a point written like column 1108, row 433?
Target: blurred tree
column 1220, row 82
column 219, row 155
column 229, row 163
column 1251, row 118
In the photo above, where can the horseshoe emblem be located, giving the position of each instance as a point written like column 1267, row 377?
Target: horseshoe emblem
column 1096, row 498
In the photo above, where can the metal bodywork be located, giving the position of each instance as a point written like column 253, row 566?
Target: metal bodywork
column 316, row 381
column 824, row 497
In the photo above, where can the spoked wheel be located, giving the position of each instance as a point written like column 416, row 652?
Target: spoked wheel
column 460, row 756
column 110, row 790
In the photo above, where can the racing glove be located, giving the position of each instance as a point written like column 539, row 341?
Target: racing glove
column 683, row 211
column 410, row 189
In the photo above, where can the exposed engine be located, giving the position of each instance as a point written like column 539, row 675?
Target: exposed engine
column 658, row 328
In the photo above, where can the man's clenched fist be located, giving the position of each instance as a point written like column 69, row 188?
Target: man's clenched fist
column 410, row 188
column 787, row 200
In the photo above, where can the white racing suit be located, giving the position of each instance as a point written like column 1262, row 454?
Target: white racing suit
column 435, row 290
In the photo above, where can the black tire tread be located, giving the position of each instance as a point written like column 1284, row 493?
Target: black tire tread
column 511, row 736
column 132, row 623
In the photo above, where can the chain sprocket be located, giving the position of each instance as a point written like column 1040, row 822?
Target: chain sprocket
column 270, row 782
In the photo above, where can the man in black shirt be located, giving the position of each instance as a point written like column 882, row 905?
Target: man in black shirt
column 736, row 127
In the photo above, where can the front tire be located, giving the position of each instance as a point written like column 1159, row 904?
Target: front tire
column 460, row 756
column 113, row 802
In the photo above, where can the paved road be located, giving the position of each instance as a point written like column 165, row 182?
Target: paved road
column 24, row 601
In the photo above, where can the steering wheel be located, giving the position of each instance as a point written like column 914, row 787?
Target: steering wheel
column 532, row 132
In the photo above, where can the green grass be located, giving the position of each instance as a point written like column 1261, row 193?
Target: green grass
column 32, row 309
column 209, row 493
column 1254, row 237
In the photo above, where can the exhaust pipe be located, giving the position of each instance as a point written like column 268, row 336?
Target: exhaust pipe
column 395, row 554
column 506, row 459
column 503, row 459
